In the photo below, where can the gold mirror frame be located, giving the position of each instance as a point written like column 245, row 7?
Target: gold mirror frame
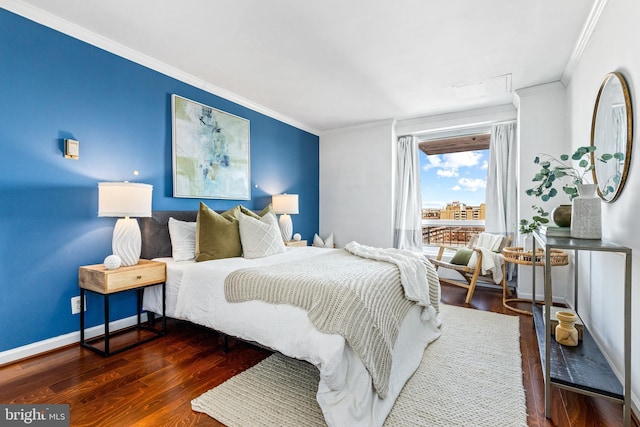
column 614, row 172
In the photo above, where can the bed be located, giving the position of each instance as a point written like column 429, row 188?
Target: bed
column 346, row 392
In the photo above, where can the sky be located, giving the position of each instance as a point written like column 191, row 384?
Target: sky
column 453, row 177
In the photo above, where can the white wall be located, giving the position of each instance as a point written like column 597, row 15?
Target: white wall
column 356, row 174
column 357, row 170
column 356, row 184
column 541, row 129
column 613, row 46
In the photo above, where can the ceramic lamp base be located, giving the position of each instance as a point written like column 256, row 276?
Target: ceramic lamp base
column 286, row 227
column 127, row 241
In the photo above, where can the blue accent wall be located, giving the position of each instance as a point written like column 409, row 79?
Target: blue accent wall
column 53, row 87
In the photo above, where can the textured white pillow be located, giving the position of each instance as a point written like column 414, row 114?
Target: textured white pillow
column 326, row 243
column 260, row 237
column 183, row 240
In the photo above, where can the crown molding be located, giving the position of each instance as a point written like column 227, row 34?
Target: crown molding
column 583, row 39
column 446, row 122
column 69, row 28
column 386, row 123
column 541, row 88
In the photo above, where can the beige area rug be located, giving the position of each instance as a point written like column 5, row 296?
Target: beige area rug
column 470, row 376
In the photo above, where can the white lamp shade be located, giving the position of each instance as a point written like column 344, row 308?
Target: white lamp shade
column 285, row 203
column 124, row 199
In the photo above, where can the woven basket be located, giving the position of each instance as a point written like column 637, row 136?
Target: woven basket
column 519, row 256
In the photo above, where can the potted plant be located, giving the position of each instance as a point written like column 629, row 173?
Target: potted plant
column 553, row 169
column 540, row 218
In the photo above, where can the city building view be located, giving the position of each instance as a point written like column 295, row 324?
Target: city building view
column 452, row 225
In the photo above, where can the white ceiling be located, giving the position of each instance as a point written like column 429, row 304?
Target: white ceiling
column 334, row 63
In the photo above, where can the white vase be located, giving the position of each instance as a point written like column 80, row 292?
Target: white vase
column 586, row 213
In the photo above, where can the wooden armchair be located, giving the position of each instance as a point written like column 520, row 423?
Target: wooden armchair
column 470, row 274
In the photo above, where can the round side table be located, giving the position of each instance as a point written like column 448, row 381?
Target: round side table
column 517, row 255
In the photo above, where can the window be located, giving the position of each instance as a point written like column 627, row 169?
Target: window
column 453, row 174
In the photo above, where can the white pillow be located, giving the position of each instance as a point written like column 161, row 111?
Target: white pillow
column 183, row 240
column 260, row 237
column 326, row 243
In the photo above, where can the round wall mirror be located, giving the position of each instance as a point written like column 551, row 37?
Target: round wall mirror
column 612, row 135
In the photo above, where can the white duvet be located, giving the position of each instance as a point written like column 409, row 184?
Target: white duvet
column 195, row 292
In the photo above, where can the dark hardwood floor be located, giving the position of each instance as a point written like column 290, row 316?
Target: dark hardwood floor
column 152, row 385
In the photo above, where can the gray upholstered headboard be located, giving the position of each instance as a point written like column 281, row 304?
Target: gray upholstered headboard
column 156, row 242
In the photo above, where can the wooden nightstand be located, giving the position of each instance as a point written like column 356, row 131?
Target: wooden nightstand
column 296, row 243
column 97, row 279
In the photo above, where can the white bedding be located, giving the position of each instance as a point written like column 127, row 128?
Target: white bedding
column 195, row 292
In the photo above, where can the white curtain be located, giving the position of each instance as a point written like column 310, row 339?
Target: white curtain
column 501, row 194
column 408, row 213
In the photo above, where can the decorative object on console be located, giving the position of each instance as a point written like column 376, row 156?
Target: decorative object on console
column 554, row 318
column 561, row 215
column 586, row 218
column 551, row 231
column 210, row 152
column 566, row 332
column 125, row 200
column 553, row 169
column 112, row 262
column 297, row 237
column 539, row 220
column 285, row 205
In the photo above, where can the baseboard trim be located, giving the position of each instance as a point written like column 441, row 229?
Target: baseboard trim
column 36, row 348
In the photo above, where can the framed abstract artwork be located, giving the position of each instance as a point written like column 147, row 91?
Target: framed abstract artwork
column 210, row 152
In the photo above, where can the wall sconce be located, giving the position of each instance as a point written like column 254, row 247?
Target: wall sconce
column 71, row 149
column 285, row 204
column 125, row 200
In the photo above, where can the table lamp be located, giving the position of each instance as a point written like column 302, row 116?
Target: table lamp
column 125, row 200
column 285, row 205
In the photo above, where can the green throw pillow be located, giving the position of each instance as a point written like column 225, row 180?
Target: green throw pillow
column 462, row 256
column 258, row 215
column 217, row 235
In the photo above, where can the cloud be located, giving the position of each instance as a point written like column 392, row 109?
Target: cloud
column 434, row 162
column 450, row 163
column 447, row 173
column 463, row 159
column 485, row 165
column 472, row 184
column 456, row 188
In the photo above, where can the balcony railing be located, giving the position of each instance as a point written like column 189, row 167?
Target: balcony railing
column 450, row 232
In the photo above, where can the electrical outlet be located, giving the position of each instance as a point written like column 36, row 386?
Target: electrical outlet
column 75, row 305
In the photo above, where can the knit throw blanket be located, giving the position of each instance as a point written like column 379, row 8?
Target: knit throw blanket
column 361, row 299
